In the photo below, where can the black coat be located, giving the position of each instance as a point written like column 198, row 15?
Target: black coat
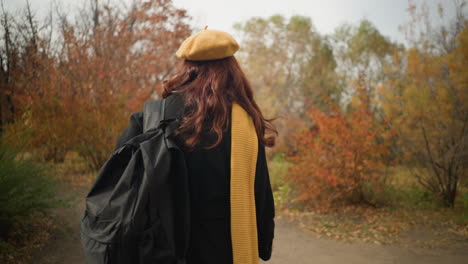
column 209, row 176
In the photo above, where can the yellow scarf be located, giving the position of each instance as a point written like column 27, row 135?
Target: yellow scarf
column 244, row 149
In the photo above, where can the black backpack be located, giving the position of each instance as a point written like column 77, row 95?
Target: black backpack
column 138, row 209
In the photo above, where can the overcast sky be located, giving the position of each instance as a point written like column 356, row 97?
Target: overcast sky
column 326, row 15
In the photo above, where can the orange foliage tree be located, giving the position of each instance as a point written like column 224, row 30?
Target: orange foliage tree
column 78, row 95
column 427, row 92
column 341, row 155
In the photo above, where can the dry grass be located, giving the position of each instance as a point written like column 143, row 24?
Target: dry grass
column 410, row 216
column 406, row 227
column 74, row 171
column 27, row 238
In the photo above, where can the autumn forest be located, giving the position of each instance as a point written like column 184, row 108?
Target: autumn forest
column 364, row 122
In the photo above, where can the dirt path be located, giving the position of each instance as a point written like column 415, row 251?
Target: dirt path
column 291, row 245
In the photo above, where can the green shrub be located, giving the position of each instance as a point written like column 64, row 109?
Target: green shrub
column 24, row 188
column 278, row 168
column 283, row 193
column 464, row 200
column 397, row 196
column 463, row 217
column 399, row 189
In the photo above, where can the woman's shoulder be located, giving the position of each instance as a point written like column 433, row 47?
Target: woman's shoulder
column 174, row 105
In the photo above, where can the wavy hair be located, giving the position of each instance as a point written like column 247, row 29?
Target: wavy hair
column 209, row 88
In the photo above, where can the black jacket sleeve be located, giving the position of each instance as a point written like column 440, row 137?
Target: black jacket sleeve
column 135, row 128
column 265, row 206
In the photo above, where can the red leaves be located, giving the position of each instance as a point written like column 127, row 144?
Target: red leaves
column 78, row 96
column 346, row 152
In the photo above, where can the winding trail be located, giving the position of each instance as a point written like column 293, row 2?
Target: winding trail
column 291, row 246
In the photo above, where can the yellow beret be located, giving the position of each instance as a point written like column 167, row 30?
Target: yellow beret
column 208, row 45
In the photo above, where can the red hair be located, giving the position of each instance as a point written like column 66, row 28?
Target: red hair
column 209, row 88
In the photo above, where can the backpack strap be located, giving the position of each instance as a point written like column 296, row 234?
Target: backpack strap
column 153, row 114
column 162, row 112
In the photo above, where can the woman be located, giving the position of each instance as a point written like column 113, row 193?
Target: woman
column 211, row 90
column 209, row 80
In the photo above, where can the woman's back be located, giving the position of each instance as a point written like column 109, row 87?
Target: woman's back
column 208, row 173
column 209, row 178
column 228, row 175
